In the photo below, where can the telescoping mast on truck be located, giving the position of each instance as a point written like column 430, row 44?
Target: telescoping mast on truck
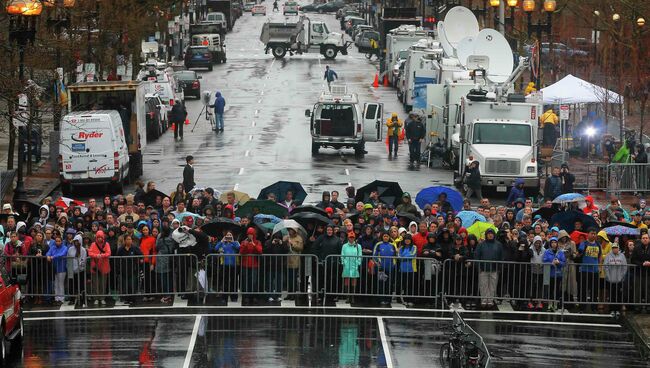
column 302, row 36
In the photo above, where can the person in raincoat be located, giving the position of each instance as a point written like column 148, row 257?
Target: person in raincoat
column 530, row 88
column 517, row 191
column 394, row 125
column 548, row 121
column 408, row 268
column 351, row 259
column 384, row 264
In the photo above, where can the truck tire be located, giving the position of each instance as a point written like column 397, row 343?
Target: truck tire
column 210, row 68
column 360, row 149
column 279, row 51
column 330, row 52
column 314, row 148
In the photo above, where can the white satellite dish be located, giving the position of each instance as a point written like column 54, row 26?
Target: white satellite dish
column 446, row 46
column 465, row 49
column 460, row 22
column 492, row 44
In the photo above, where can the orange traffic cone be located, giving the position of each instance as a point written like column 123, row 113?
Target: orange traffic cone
column 386, row 80
column 376, row 82
column 173, row 126
column 187, row 121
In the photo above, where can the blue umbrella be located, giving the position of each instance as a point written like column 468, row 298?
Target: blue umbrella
column 430, row 195
column 569, row 198
column 621, row 230
column 470, row 217
column 566, row 220
column 280, row 190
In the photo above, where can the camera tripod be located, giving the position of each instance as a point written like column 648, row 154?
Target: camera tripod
column 209, row 117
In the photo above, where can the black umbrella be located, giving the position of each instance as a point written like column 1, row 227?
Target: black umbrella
column 312, row 209
column 217, row 227
column 408, row 215
column 150, row 196
column 26, row 209
column 280, row 189
column 546, row 213
column 389, row 192
column 567, row 219
column 354, row 217
column 305, row 218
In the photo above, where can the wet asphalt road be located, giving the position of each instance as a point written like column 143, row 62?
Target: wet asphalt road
column 307, row 341
column 266, row 135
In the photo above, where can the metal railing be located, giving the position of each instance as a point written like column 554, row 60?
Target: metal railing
column 263, row 275
column 411, row 279
column 488, row 282
column 628, row 178
column 593, row 178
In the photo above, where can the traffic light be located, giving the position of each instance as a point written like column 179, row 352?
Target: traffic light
column 429, row 22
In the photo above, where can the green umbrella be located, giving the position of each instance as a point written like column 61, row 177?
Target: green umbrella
column 264, row 206
column 479, row 227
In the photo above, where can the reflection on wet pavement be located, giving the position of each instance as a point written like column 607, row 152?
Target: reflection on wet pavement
column 288, row 342
column 415, row 343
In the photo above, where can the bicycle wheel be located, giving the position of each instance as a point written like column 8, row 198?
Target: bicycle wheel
column 445, row 351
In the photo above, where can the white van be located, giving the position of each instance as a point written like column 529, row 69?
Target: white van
column 93, row 150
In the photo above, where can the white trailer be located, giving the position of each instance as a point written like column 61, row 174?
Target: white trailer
column 398, row 41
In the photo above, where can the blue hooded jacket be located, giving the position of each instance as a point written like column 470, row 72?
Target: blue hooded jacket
column 515, row 192
column 219, row 103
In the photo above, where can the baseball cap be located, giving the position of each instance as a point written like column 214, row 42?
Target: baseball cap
column 615, row 245
column 555, row 228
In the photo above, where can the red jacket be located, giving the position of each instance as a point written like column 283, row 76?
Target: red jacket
column 250, row 247
column 148, row 247
column 420, row 240
column 99, row 258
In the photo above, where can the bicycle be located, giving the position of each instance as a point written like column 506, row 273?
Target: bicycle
column 459, row 352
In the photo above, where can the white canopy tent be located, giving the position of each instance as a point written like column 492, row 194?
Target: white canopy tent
column 573, row 90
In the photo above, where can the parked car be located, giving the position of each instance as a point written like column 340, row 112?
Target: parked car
column 164, row 109
column 290, row 7
column 248, row 6
column 12, row 312
column 559, row 49
column 330, row 7
column 358, row 29
column 363, row 40
column 198, row 57
column 341, row 13
column 258, row 9
column 308, row 7
column 189, row 81
column 351, row 22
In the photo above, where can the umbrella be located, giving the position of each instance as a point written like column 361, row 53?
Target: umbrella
column 619, row 223
column 217, row 227
column 546, row 213
column 262, row 218
column 240, row 197
column 470, row 217
column 289, row 224
column 280, row 190
column 389, row 192
column 621, row 230
column 150, row 196
column 569, row 198
column 576, row 235
column 264, row 229
column 479, row 227
column 305, row 218
column 185, row 214
column 65, row 203
column 430, row 195
column 257, row 206
column 31, row 207
column 312, row 209
column 566, row 219
column 408, row 215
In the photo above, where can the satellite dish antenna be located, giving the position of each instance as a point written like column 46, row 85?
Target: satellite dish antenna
column 460, row 22
column 495, row 47
column 446, row 46
column 465, row 49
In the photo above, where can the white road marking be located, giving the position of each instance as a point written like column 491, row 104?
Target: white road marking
column 250, row 137
column 241, row 171
column 384, row 342
column 558, row 323
column 350, row 184
column 259, row 101
column 247, row 153
column 236, row 186
column 262, row 92
column 190, row 349
column 257, row 112
column 347, row 172
column 253, row 123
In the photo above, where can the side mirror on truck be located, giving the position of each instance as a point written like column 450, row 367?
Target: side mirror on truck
column 307, row 113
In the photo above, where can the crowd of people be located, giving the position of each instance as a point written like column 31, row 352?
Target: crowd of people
column 371, row 251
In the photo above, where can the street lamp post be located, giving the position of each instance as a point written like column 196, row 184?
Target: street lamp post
column 22, row 31
column 539, row 28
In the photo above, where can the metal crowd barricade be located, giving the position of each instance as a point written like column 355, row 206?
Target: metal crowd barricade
column 264, row 276
column 411, row 280
column 628, row 178
column 595, row 177
column 47, row 280
column 486, row 282
column 612, row 285
column 131, row 277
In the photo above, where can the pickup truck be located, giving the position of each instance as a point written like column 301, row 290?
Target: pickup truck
column 302, row 36
column 12, row 313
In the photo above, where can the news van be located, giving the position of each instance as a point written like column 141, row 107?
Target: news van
column 93, row 150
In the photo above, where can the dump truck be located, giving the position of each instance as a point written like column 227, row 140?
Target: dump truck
column 302, row 36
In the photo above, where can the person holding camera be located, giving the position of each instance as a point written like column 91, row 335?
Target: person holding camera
column 219, row 107
column 274, row 265
column 250, row 249
column 567, row 179
column 227, row 248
